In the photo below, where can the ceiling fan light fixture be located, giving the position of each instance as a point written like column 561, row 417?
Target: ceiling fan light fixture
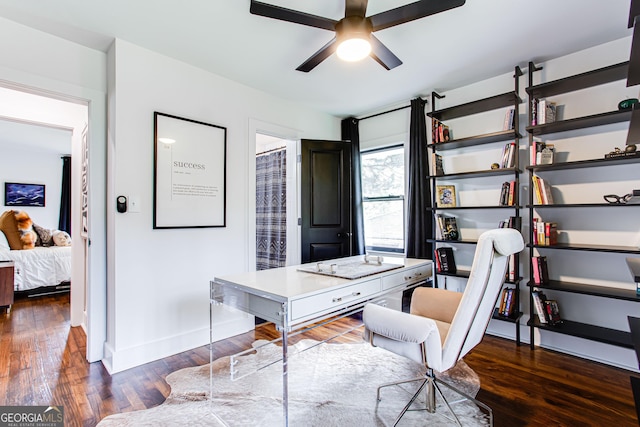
column 354, row 49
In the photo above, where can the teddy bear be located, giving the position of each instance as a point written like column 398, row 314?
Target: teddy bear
column 61, row 238
column 28, row 237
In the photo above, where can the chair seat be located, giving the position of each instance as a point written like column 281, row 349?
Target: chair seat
column 443, row 328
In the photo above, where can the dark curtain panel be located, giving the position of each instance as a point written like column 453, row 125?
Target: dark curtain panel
column 64, row 223
column 419, row 199
column 350, row 133
column 271, row 210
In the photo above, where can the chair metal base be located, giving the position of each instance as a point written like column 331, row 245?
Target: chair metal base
column 431, row 382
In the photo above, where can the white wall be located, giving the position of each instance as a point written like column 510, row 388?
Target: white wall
column 38, row 63
column 159, row 279
column 33, row 167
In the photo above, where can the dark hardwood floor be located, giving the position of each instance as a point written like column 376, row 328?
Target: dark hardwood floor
column 42, row 362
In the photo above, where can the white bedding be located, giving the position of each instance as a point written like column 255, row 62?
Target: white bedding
column 40, row 266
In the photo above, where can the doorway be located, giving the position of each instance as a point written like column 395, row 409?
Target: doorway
column 33, row 107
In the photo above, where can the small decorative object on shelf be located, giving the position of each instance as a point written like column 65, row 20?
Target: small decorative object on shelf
column 627, row 104
column 437, row 164
column 446, row 196
column 495, row 166
column 617, row 200
column 447, row 228
column 617, row 152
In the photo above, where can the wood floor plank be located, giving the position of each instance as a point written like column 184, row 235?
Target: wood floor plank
column 42, row 362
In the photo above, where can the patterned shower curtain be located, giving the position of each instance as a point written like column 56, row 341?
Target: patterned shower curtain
column 271, row 210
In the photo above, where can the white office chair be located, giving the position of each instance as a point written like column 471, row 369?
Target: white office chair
column 443, row 325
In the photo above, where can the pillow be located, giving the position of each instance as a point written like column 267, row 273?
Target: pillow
column 45, row 237
column 4, row 245
column 9, row 227
column 61, row 238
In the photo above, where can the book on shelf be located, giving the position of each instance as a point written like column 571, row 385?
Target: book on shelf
column 446, row 228
column 542, row 111
column 540, row 270
column 509, row 119
column 507, row 302
column 541, row 153
column 446, row 261
column 514, row 222
column 553, row 312
column 545, row 233
column 508, row 194
column 541, row 191
column 508, row 158
column 439, row 131
column 446, row 196
column 438, row 169
column 546, row 112
column 538, row 304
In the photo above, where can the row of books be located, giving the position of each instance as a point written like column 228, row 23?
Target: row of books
column 541, row 153
column 542, row 111
column 509, row 119
column 542, row 194
column 507, row 302
column 445, row 262
column 547, row 310
column 514, row 222
column 540, row 270
column 508, row 158
column 438, row 168
column 544, row 233
column 508, row 194
column 446, row 228
column 439, row 132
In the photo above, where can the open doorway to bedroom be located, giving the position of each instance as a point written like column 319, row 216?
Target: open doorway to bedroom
column 44, row 143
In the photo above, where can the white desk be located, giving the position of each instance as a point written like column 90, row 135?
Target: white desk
column 292, row 299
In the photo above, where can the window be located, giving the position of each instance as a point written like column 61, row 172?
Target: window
column 383, row 199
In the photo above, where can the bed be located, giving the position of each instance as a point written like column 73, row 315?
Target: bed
column 39, row 267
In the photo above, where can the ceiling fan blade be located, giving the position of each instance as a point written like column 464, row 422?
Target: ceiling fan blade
column 355, row 8
column 383, row 55
column 410, row 12
column 289, row 15
column 326, row 51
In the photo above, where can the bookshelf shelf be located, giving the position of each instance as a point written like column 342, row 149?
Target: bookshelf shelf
column 590, row 248
column 510, row 101
column 476, row 174
column 586, row 164
column 580, row 123
column 459, row 208
column 488, row 138
column 587, row 331
column 571, row 327
column 585, row 289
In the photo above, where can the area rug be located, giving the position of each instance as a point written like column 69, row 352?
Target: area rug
column 329, row 385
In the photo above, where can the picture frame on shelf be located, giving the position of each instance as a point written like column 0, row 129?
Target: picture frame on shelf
column 446, row 196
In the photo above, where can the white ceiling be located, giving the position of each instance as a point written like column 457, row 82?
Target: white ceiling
column 481, row 39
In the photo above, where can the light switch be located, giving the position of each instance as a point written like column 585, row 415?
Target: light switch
column 134, row 204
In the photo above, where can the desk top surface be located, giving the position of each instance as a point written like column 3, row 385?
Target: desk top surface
column 289, row 282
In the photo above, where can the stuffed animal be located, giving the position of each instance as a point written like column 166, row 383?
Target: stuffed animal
column 28, row 237
column 61, row 238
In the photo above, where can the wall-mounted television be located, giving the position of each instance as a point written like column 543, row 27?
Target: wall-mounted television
column 16, row 194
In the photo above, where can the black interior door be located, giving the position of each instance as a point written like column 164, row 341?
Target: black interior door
column 326, row 200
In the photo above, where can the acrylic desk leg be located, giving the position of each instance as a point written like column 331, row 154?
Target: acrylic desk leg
column 285, row 379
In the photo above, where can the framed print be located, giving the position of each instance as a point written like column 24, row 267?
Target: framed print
column 16, row 194
column 446, row 196
column 189, row 173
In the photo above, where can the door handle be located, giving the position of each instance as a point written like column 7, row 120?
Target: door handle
column 344, row 235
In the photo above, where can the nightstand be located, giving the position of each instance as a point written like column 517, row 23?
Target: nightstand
column 6, row 284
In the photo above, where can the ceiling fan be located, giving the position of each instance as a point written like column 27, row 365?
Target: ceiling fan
column 355, row 29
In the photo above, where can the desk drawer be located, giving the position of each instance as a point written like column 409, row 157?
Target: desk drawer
column 407, row 277
column 333, row 300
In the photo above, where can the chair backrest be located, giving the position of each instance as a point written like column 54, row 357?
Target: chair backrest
column 479, row 298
